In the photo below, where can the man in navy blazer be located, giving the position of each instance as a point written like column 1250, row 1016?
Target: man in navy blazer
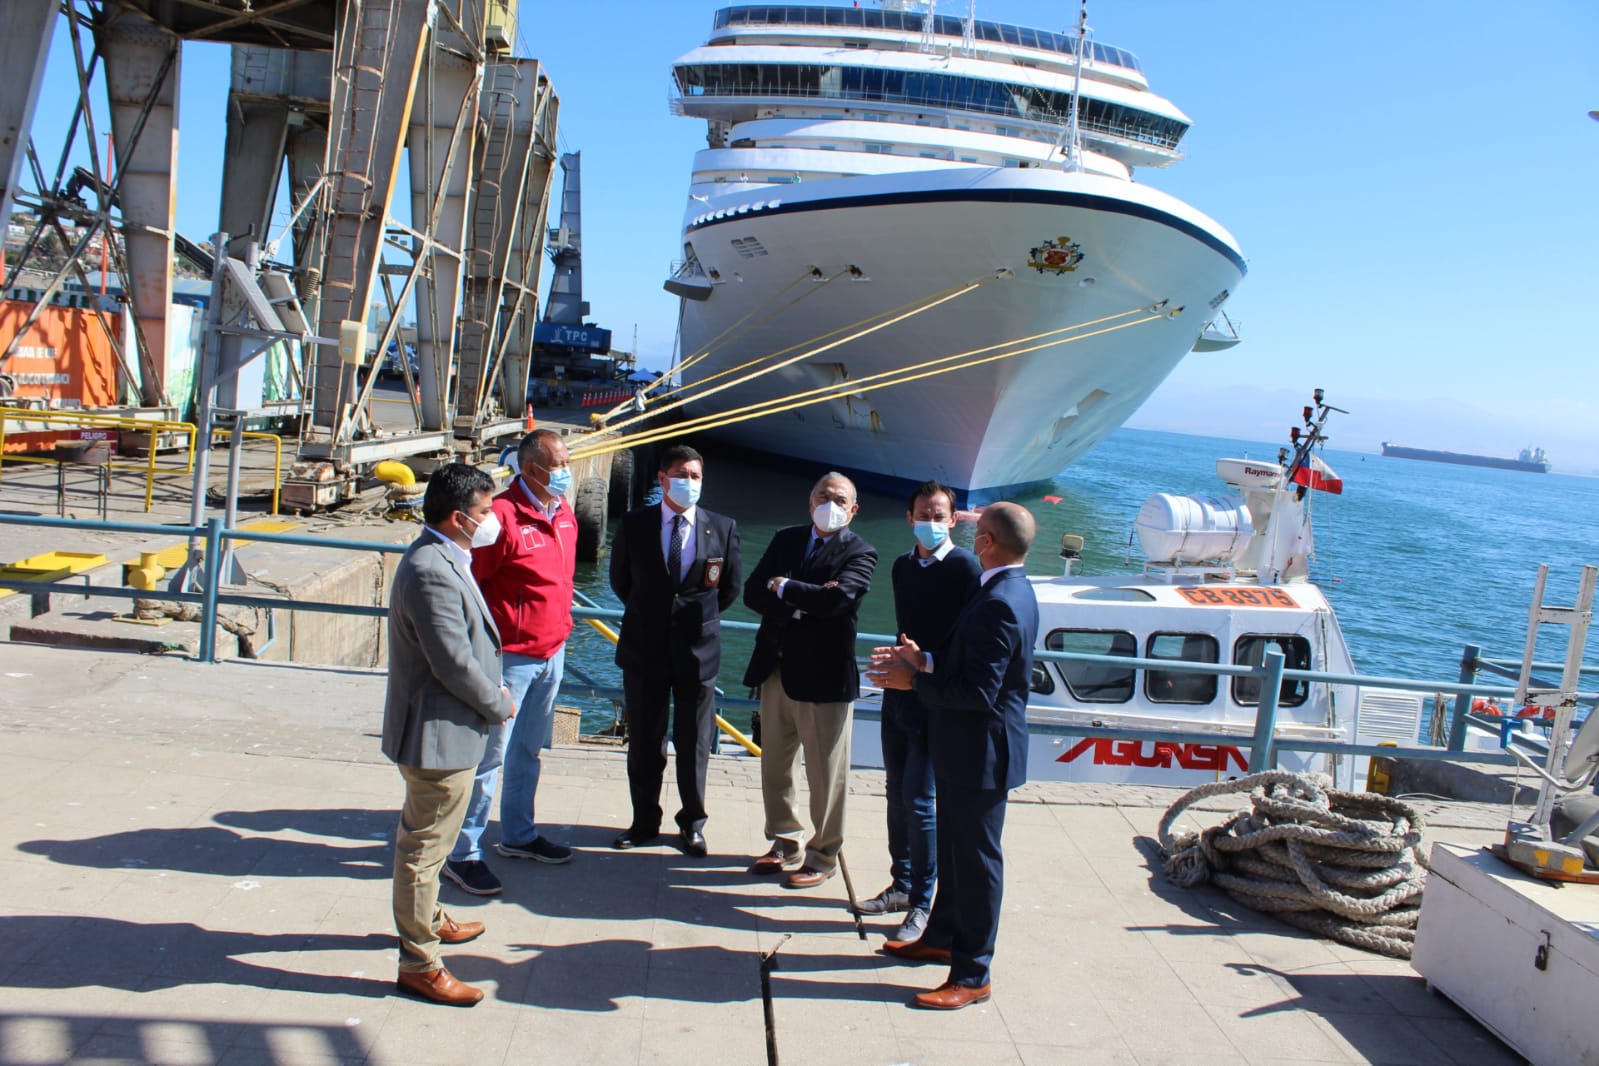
column 807, row 588
column 675, row 566
column 975, row 689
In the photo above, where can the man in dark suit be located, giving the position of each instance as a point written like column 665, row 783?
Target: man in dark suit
column 807, row 589
column 444, row 695
column 675, row 567
column 932, row 582
column 975, row 689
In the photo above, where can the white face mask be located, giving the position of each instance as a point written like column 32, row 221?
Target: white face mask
column 487, row 531
column 830, row 517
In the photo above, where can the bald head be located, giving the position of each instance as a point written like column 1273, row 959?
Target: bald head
column 1010, row 527
column 540, row 446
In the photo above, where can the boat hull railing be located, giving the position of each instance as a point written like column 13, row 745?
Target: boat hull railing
column 1266, row 741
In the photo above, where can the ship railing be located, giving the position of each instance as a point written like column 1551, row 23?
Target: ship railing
column 1267, row 739
column 1040, row 115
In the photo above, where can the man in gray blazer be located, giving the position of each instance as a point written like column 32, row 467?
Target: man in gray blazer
column 444, row 694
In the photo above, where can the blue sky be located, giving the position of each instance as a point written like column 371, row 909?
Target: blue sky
column 1412, row 183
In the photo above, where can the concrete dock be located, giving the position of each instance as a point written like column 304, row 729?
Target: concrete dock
column 196, row 871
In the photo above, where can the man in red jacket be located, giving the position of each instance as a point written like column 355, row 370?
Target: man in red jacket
column 526, row 578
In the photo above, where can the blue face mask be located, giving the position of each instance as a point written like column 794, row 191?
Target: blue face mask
column 560, row 481
column 930, row 534
column 683, row 491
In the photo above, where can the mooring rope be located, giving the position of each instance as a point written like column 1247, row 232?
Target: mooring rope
column 734, row 331
column 1345, row 865
column 856, row 386
column 834, row 339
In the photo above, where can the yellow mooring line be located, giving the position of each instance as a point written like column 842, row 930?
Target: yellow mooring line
column 870, row 383
column 897, row 316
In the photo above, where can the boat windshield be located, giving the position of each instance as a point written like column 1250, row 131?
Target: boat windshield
column 1173, row 686
column 1095, row 682
column 1251, row 651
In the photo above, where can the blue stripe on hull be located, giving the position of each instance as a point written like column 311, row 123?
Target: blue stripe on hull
column 1012, row 196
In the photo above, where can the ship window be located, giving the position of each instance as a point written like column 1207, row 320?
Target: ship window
column 1042, row 683
column 1251, row 651
column 1095, row 682
column 1172, row 686
column 1118, row 595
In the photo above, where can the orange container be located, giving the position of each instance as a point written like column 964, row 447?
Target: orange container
column 64, row 359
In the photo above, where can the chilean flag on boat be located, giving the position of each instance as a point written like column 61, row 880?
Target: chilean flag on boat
column 1316, row 474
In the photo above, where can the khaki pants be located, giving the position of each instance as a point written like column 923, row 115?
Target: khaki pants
column 821, row 731
column 435, row 805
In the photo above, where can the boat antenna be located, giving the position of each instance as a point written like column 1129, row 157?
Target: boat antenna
column 929, row 36
column 1305, row 440
column 1074, row 141
column 969, row 30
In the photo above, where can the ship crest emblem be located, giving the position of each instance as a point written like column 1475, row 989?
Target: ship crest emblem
column 1058, row 256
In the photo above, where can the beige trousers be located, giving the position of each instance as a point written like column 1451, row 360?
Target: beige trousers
column 821, row 732
column 435, row 807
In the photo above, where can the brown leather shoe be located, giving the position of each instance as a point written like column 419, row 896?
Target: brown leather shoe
column 806, row 877
column 773, row 862
column 454, row 932
column 950, row 996
column 440, row 987
column 916, row 951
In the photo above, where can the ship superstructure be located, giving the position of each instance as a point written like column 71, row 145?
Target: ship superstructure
column 863, row 160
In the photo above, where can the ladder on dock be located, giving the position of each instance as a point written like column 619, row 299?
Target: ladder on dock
column 1562, row 701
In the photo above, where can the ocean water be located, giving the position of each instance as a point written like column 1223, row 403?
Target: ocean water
column 1418, row 559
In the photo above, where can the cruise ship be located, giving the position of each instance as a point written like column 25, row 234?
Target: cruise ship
column 913, row 246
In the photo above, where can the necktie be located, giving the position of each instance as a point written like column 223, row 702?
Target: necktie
column 674, row 558
column 810, row 552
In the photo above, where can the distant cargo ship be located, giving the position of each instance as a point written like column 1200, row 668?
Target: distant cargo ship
column 1531, row 460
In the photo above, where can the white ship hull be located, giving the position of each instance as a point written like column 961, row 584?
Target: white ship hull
column 986, row 430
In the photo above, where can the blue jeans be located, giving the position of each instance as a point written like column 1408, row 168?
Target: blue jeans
column 912, row 833
column 513, row 747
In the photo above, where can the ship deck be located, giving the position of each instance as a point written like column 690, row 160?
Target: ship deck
column 196, row 865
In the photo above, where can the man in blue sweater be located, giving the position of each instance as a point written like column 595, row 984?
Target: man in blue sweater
column 932, row 582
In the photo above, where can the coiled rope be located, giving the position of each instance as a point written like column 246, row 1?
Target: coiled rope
column 1345, row 865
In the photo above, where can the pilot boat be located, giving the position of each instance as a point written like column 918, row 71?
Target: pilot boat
column 1226, row 579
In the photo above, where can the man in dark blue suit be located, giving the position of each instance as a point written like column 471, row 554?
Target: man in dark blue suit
column 675, row 566
column 975, row 690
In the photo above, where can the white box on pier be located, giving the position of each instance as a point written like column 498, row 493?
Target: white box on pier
column 1519, row 954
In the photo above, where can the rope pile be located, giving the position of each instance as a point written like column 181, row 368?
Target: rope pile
column 1345, row 865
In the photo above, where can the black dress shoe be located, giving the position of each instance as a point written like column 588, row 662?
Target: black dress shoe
column 693, row 843
column 633, row 837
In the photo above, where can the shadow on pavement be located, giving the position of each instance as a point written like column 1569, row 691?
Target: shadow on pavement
column 209, row 850
column 595, row 976
column 62, row 951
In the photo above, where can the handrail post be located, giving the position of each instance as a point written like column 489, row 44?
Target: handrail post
column 1468, row 674
column 213, row 577
column 149, row 470
column 1263, row 748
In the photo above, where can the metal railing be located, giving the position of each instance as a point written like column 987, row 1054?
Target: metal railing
column 60, row 423
column 1264, row 738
